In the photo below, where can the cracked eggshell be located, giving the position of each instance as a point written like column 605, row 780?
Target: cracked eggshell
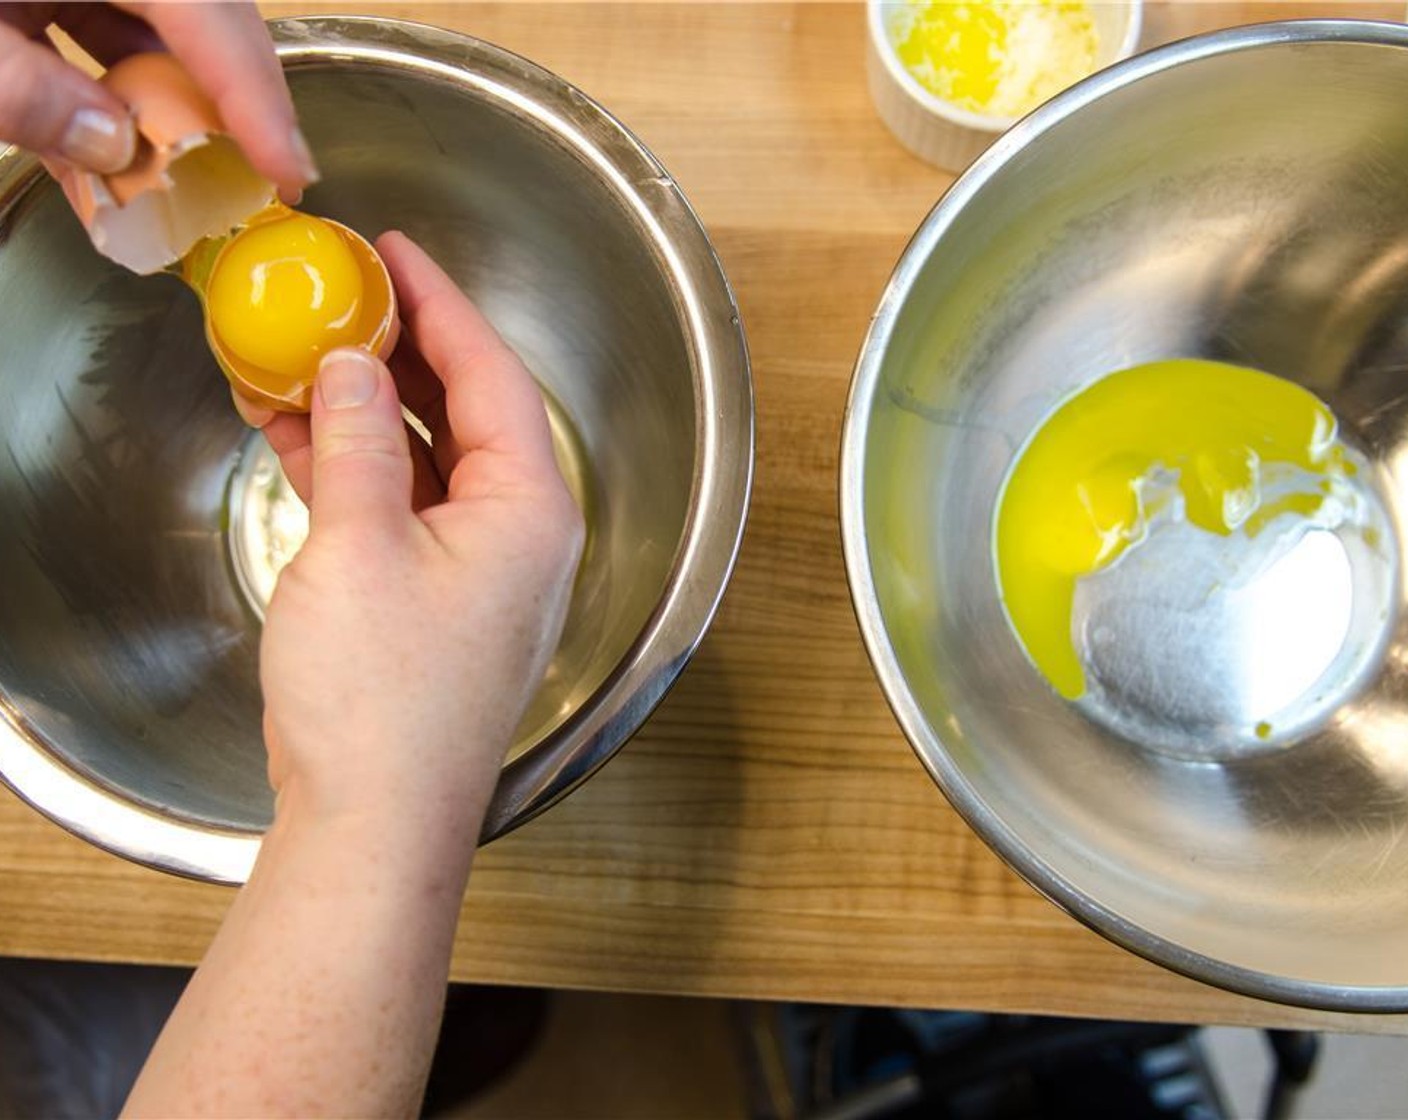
column 188, row 181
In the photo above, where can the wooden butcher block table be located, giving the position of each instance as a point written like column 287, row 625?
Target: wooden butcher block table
column 769, row 834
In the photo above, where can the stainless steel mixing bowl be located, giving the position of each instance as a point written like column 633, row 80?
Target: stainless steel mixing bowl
column 1240, row 196
column 127, row 646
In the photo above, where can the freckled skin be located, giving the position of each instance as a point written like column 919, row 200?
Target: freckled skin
column 401, row 647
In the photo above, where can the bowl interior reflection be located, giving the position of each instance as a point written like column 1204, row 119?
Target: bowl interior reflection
column 125, row 641
column 1246, row 205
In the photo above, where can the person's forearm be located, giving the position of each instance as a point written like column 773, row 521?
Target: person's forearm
column 322, row 992
column 397, row 657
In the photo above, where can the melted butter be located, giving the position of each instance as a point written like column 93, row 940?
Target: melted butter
column 996, row 57
column 1240, row 448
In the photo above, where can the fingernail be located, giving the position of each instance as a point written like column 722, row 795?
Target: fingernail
column 99, row 141
column 255, row 415
column 347, row 378
column 304, row 155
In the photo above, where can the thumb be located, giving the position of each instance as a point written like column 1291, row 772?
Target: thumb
column 54, row 110
column 361, row 459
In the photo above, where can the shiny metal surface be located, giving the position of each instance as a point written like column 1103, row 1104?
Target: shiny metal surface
column 1241, row 196
column 127, row 649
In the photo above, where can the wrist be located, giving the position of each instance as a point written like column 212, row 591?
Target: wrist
column 431, row 845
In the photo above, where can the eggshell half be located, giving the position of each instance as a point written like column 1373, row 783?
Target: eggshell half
column 188, row 181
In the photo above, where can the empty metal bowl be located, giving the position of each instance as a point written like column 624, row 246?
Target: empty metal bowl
column 133, row 502
column 1241, row 196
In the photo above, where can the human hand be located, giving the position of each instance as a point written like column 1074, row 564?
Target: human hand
column 60, row 113
column 406, row 638
column 399, row 651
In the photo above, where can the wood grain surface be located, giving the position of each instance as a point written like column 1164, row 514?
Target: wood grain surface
column 769, row 834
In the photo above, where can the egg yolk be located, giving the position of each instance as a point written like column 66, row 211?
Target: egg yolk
column 1077, row 496
column 284, row 292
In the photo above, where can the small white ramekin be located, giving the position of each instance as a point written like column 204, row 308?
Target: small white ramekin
column 939, row 131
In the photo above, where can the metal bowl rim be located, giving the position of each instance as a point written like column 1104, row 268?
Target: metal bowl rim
column 927, row 744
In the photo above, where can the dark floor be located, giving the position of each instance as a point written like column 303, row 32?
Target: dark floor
column 80, row 1031
column 623, row 1058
